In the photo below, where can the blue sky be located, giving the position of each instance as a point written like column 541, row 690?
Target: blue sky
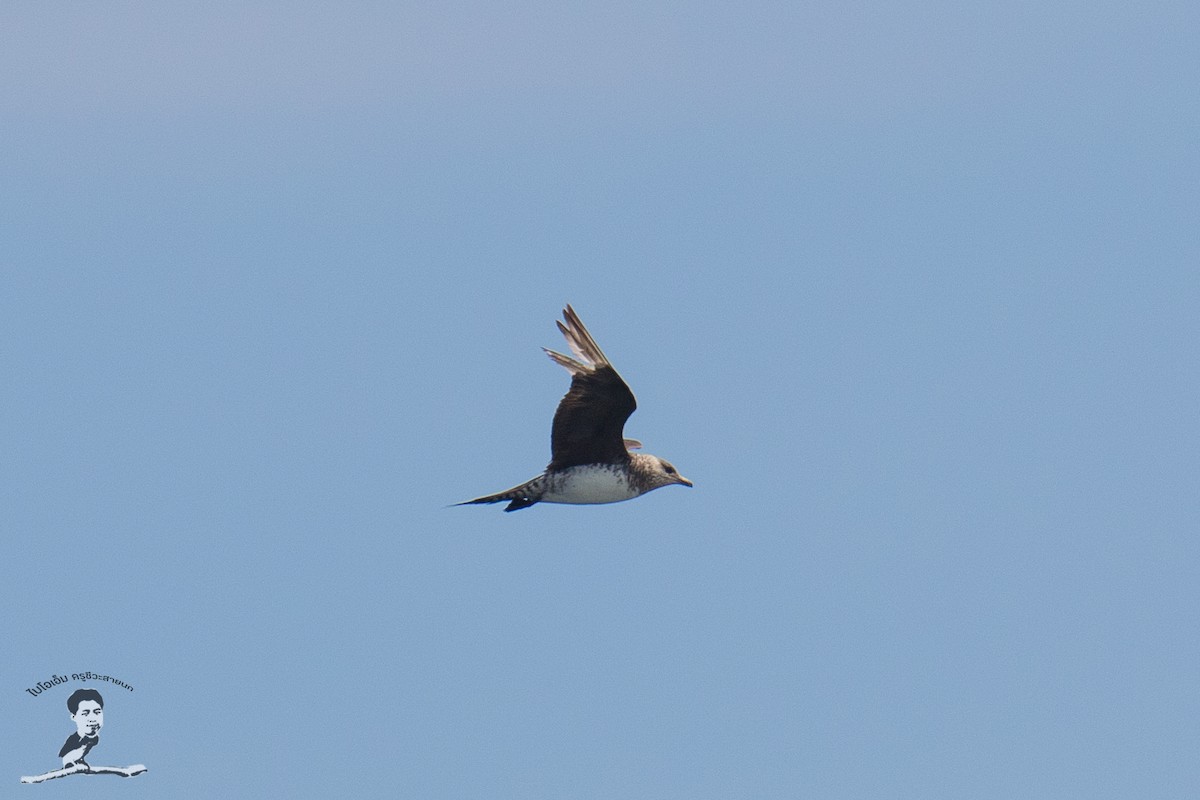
column 908, row 290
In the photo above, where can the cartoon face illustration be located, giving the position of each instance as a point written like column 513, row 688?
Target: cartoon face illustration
column 87, row 712
column 88, row 717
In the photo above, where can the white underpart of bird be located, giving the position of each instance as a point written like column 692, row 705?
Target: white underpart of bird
column 591, row 461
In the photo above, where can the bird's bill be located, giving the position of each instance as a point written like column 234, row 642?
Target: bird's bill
column 683, row 480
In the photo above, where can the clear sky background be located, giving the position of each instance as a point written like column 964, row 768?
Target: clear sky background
column 909, row 290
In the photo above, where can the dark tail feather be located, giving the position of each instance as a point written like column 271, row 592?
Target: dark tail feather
column 519, row 503
column 522, row 496
column 516, row 505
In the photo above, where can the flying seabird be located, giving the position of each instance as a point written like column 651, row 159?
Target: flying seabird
column 590, row 460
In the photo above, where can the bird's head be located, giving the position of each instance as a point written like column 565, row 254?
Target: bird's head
column 665, row 474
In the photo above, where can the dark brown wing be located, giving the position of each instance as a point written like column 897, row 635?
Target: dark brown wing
column 590, row 419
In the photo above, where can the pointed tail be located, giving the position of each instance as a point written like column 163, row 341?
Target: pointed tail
column 522, row 496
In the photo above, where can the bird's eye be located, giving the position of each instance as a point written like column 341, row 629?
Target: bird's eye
column 670, row 470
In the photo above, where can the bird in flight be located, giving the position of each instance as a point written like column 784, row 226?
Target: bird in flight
column 590, row 460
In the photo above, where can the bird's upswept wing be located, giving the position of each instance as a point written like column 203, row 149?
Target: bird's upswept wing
column 590, row 419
